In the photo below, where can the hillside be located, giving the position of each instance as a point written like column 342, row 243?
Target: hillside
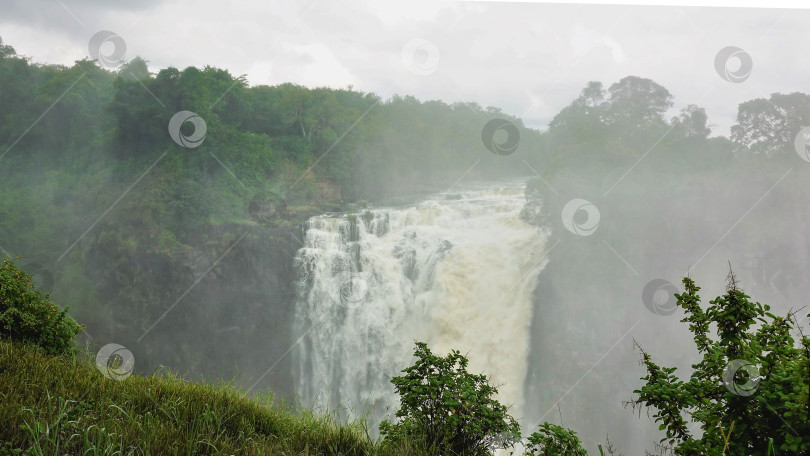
column 62, row 405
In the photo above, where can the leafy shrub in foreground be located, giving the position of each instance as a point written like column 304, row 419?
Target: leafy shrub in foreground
column 28, row 315
column 553, row 440
column 446, row 408
column 749, row 393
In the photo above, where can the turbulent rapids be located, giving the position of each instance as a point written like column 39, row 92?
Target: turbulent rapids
column 456, row 270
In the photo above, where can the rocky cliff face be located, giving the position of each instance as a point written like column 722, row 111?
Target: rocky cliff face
column 219, row 307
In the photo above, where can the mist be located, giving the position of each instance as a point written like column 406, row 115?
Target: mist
column 525, row 183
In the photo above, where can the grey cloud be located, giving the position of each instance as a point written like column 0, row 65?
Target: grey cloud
column 529, row 59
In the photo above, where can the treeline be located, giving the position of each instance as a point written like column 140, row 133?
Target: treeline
column 102, row 129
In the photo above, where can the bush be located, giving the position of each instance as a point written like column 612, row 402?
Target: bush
column 446, row 408
column 28, row 315
column 553, row 440
column 749, row 393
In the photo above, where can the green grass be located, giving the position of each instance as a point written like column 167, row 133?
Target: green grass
column 57, row 405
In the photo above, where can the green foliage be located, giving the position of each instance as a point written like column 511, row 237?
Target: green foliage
column 767, row 127
column 637, row 102
column 750, row 390
column 447, row 408
column 28, row 315
column 59, row 405
column 553, row 440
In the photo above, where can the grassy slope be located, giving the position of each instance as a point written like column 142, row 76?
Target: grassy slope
column 58, row 405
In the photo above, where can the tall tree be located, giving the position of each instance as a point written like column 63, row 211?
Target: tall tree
column 636, row 102
column 768, row 126
column 692, row 122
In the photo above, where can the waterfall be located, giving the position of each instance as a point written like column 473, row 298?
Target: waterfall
column 456, row 271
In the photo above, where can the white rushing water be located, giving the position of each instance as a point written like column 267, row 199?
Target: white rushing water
column 456, row 270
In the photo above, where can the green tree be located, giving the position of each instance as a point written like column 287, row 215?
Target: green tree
column 447, row 408
column 768, row 126
column 6, row 50
column 27, row 315
column 636, row 102
column 134, row 70
column 749, row 392
column 585, row 118
column 553, row 440
column 610, row 127
column 692, row 122
column 16, row 93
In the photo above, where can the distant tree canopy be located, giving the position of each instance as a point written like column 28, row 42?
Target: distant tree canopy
column 363, row 146
column 321, row 144
column 692, row 122
column 621, row 123
column 636, row 102
column 632, row 102
column 768, row 127
column 6, row 50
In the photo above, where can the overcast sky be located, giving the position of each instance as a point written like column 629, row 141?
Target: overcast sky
column 530, row 59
